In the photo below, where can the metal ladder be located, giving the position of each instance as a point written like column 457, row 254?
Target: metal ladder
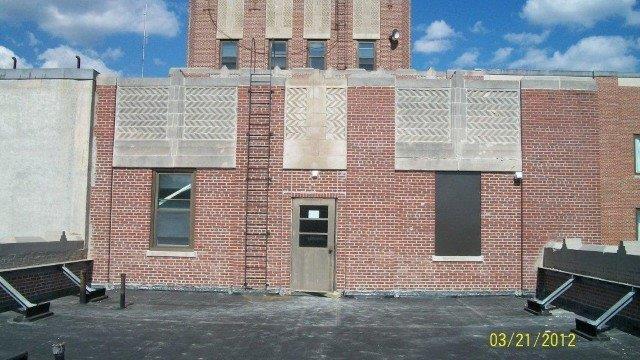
column 257, row 176
column 341, row 34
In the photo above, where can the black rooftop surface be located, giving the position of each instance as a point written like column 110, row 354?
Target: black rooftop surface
column 191, row 325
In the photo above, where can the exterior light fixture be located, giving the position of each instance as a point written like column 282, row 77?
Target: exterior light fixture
column 315, row 174
column 395, row 35
column 517, row 177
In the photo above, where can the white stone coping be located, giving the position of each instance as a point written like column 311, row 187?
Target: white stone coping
column 631, row 82
column 169, row 253
column 437, row 258
column 59, row 73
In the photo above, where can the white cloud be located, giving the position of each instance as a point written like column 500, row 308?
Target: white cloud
column 600, row 53
column 83, row 21
column 468, row 59
column 65, row 57
column 112, row 54
column 7, row 63
column 502, row 54
column 437, row 38
column 579, row 12
column 527, row 39
column 33, row 40
column 478, row 28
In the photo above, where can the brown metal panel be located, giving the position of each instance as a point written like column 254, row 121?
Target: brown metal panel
column 457, row 214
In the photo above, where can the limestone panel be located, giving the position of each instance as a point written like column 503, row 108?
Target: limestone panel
column 492, row 130
column 279, row 19
column 366, row 19
column 230, row 19
column 317, row 19
column 423, row 115
column 462, row 125
column 175, row 126
column 142, row 113
column 315, row 123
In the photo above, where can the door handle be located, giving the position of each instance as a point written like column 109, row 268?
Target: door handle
column 330, row 251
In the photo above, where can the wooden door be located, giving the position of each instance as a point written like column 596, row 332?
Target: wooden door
column 313, row 245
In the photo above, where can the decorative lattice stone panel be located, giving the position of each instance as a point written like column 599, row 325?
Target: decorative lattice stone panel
column 142, row 113
column 493, row 117
column 230, row 20
column 366, row 19
column 315, row 136
column 279, row 19
column 458, row 125
column 175, row 126
column 317, row 19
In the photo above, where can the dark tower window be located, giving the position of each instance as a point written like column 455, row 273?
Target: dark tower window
column 366, row 55
column 278, row 54
column 317, row 51
column 229, row 54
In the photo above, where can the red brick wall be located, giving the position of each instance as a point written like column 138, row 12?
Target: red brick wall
column 203, row 49
column 560, row 133
column 100, row 192
column 620, row 121
column 385, row 219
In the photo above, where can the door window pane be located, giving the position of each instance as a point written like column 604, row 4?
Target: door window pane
column 317, row 51
column 313, row 240
column 229, row 54
column 278, row 54
column 366, row 55
column 313, row 226
column 637, row 145
column 314, row 212
column 172, row 220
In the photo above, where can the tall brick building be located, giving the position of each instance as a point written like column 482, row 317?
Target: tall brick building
column 364, row 177
column 303, row 30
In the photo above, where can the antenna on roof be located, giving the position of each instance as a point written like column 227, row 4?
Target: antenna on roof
column 144, row 34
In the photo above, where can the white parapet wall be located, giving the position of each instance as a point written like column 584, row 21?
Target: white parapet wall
column 45, row 132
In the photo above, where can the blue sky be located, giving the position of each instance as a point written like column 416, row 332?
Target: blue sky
column 447, row 34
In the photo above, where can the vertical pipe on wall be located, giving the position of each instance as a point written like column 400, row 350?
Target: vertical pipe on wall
column 111, row 193
column 521, row 199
